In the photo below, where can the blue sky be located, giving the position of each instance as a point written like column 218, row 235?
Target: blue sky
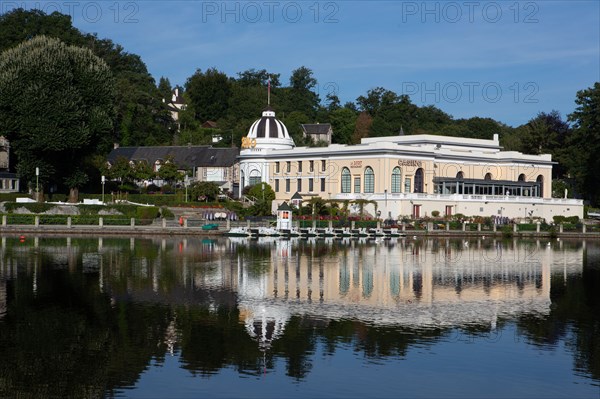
column 507, row 60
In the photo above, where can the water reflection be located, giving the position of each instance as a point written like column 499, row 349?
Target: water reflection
column 119, row 305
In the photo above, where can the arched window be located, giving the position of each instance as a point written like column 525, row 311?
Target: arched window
column 418, row 181
column 346, row 180
column 369, row 180
column 488, row 176
column 255, row 177
column 396, row 180
column 460, row 175
column 540, row 182
column 522, row 177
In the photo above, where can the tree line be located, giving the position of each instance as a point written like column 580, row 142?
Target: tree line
column 140, row 117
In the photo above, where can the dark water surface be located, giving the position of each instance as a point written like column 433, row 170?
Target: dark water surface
column 176, row 318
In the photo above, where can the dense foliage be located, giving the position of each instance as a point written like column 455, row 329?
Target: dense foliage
column 56, row 107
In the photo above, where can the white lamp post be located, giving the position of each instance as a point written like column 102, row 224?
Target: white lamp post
column 186, row 183
column 37, row 183
column 103, row 181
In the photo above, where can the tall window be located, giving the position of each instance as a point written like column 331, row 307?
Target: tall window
column 287, row 185
column 276, row 167
column 276, row 185
column 369, row 180
column 300, row 166
column 357, row 184
column 396, row 180
column 299, row 185
column 311, row 166
column 407, row 185
column 322, row 184
column 419, row 180
column 242, row 179
column 310, row 185
column 346, row 178
column 323, row 165
column 288, row 166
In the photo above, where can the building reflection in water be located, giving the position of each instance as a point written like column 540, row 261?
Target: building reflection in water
column 417, row 284
column 406, row 282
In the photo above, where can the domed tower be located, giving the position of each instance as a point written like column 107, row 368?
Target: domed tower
column 268, row 132
column 266, row 136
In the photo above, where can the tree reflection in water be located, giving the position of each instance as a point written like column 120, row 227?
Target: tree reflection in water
column 86, row 317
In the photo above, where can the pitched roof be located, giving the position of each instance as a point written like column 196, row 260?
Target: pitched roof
column 183, row 156
column 284, row 207
column 316, row 128
column 296, row 196
column 210, row 124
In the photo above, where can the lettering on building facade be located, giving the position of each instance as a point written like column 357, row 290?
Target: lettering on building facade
column 410, row 162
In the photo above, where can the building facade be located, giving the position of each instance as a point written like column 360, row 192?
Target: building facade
column 207, row 163
column 414, row 176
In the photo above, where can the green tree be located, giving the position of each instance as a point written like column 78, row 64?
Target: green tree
column 141, row 117
column 121, row 171
column 20, row 25
column 292, row 121
column 143, row 171
column 585, row 143
column 206, row 190
column 300, row 96
column 164, row 89
column 209, row 94
column 253, row 78
column 56, row 105
column 264, row 195
column 169, row 172
column 343, row 123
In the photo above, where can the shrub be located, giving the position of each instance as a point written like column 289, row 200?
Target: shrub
column 166, row 213
column 146, row 213
column 563, row 219
column 435, row 214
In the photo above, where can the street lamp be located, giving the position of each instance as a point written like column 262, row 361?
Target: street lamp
column 186, row 183
column 37, row 183
column 103, row 181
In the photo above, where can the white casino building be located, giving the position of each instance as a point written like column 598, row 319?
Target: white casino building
column 405, row 175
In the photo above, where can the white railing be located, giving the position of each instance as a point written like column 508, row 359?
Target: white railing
column 455, row 198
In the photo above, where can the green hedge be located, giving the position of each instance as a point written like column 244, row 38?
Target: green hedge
column 12, row 197
column 33, row 207
column 79, row 220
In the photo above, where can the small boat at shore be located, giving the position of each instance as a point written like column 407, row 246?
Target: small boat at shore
column 237, row 232
column 264, row 232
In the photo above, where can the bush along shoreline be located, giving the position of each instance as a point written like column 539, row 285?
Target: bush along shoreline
column 53, row 214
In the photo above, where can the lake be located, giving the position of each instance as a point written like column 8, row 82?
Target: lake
column 226, row 317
